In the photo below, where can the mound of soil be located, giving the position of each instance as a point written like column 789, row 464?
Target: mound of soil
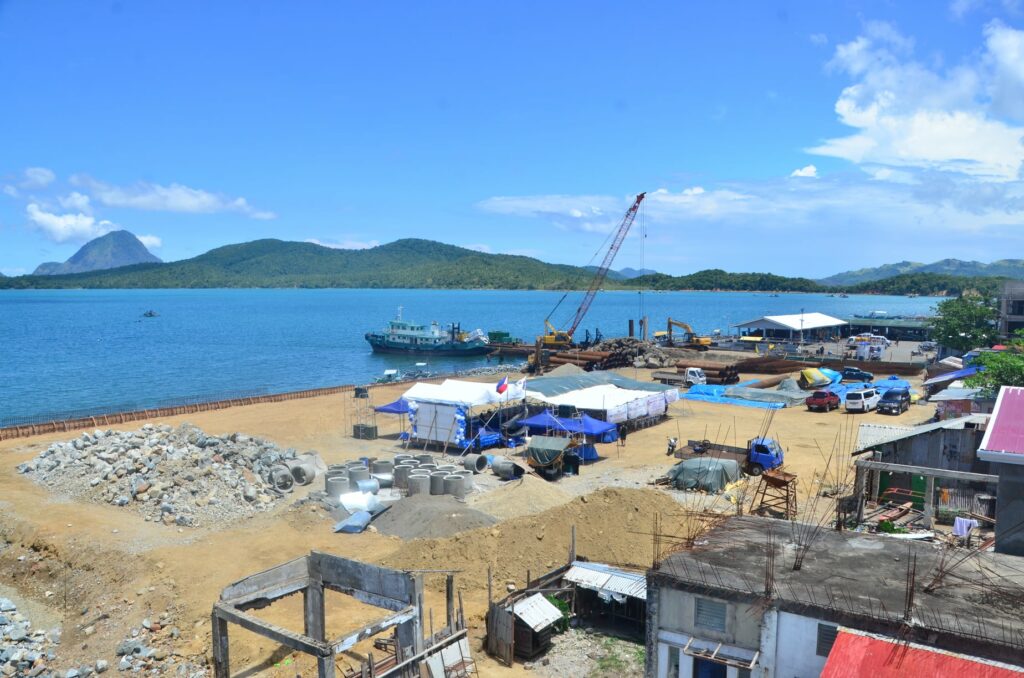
column 428, row 516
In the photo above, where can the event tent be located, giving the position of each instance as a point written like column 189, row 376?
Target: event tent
column 400, row 406
column 587, row 425
column 619, row 398
column 438, row 412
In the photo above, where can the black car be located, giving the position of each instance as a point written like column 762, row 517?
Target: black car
column 895, row 401
column 856, row 374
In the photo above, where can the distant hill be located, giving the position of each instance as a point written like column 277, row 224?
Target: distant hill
column 415, row 263
column 624, row 273
column 1007, row 268
column 113, row 250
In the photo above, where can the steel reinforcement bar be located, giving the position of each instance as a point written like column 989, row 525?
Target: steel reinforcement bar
column 64, row 425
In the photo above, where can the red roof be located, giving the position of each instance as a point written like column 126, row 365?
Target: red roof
column 1005, row 432
column 855, row 655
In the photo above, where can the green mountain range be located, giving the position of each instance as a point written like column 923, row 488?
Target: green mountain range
column 415, row 263
column 1006, row 268
column 113, row 250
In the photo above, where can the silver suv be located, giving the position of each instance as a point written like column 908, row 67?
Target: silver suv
column 864, row 400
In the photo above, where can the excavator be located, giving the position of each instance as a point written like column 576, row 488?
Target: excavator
column 557, row 339
column 692, row 339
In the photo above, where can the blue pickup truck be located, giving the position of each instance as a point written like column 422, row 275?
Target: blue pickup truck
column 760, row 454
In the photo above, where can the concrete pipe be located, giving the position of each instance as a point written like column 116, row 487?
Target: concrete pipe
column 419, row 485
column 357, row 473
column 369, row 485
column 336, row 486
column 507, row 470
column 334, row 474
column 467, row 478
column 425, row 458
column 399, row 458
column 477, row 463
column 451, row 468
column 349, row 465
column 437, row 482
column 455, row 486
column 337, row 467
column 386, row 480
column 304, row 472
column 281, row 478
column 402, row 476
column 382, row 466
column 427, row 468
column 408, row 462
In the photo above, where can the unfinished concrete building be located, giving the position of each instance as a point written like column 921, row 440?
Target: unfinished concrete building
column 734, row 604
column 407, row 652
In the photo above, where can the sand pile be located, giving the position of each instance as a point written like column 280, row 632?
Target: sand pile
column 612, row 525
column 426, row 516
column 515, row 498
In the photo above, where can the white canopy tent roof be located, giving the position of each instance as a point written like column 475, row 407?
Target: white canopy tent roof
column 603, row 397
column 465, row 393
column 794, row 322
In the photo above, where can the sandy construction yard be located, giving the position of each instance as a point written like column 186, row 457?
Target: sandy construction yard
column 87, row 564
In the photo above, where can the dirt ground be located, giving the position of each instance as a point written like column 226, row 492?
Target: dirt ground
column 108, row 561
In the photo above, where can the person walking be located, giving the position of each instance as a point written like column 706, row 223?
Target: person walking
column 622, row 434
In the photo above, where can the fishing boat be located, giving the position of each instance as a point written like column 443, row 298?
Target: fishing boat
column 403, row 336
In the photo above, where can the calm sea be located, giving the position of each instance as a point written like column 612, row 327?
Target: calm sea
column 75, row 352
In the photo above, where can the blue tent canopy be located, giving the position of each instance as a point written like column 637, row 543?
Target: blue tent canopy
column 400, row 406
column 586, row 425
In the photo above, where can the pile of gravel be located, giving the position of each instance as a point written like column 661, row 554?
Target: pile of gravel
column 425, row 516
column 27, row 651
column 173, row 476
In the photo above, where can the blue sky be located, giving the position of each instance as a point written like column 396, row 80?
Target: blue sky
column 798, row 138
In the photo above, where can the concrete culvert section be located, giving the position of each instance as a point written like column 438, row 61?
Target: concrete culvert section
column 418, row 485
column 437, row 482
column 477, row 463
column 455, row 486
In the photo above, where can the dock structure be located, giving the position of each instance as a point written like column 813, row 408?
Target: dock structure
column 399, row 593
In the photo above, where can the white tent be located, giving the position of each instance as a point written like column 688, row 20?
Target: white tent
column 619, row 404
column 438, row 411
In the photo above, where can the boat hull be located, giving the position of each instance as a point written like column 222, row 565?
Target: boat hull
column 469, row 350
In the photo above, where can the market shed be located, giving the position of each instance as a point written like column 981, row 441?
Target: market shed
column 609, row 596
column 792, row 326
column 535, row 618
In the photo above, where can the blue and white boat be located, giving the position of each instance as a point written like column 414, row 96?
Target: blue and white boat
column 403, row 336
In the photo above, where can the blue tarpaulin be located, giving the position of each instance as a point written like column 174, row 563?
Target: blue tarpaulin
column 400, row 406
column 355, row 523
column 716, row 394
column 953, row 376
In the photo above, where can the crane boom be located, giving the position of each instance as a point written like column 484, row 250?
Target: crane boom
column 602, row 272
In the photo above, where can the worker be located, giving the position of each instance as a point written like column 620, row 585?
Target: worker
column 622, row 434
column 672, row 443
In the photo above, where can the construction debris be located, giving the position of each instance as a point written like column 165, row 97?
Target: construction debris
column 173, row 476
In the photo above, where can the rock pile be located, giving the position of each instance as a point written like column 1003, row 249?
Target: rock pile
column 26, row 651
column 641, row 353
column 149, row 649
column 173, row 476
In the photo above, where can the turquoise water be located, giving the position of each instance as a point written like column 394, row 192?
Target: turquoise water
column 68, row 352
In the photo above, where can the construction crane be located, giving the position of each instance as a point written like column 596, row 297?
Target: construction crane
column 557, row 339
column 692, row 339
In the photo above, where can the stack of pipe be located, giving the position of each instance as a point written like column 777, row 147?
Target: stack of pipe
column 716, row 373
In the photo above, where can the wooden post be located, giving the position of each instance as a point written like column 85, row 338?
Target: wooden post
column 490, row 594
column 449, row 600
column 325, row 666
column 221, row 658
column 572, row 546
column 313, row 609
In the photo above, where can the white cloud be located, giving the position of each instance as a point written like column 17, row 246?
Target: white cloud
column 809, row 171
column 172, row 198
column 11, row 191
column 347, row 244
column 67, row 227
column 907, row 115
column 75, row 201
column 960, row 8
column 1005, row 55
column 819, row 39
column 38, row 177
column 150, row 241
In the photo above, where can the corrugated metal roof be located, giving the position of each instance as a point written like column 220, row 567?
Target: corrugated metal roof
column 536, row 611
column 794, row 321
column 953, row 376
column 605, row 578
column 1004, row 439
column 954, row 394
column 856, row 654
column 872, row 435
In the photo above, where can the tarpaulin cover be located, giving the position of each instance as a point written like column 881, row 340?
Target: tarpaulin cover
column 812, row 377
column 716, row 394
column 953, row 376
column 787, row 394
column 704, row 473
column 545, row 387
column 400, row 406
column 545, row 450
column 854, row 655
column 355, row 523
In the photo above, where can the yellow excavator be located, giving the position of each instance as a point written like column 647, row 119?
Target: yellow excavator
column 691, row 338
column 557, row 339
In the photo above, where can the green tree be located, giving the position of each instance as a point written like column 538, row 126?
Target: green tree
column 1002, row 368
column 965, row 323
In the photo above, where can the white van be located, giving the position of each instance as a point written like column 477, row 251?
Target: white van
column 862, row 401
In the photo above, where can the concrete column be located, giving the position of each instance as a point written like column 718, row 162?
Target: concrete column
column 929, row 502
column 221, row 660
column 1010, row 509
column 313, row 606
column 449, row 601
column 325, row 666
column 652, row 660
column 765, row 667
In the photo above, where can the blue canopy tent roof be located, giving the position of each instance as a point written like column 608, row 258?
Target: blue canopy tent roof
column 586, row 424
column 400, row 406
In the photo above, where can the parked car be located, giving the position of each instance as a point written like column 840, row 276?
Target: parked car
column 864, row 400
column 895, row 401
column 856, row 374
column 822, row 400
column 927, row 346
